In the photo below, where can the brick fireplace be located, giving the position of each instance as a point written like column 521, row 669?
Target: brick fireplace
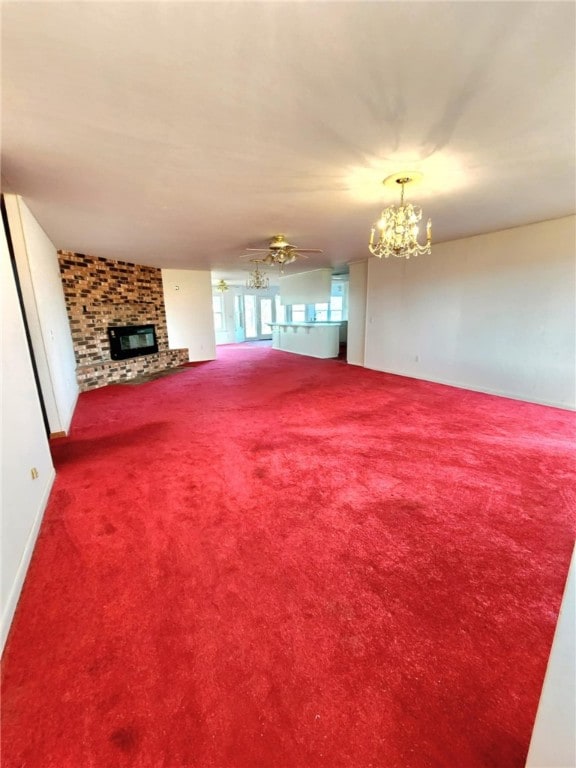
column 101, row 293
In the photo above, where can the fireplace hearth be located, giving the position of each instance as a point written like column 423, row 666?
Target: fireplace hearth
column 105, row 296
column 132, row 341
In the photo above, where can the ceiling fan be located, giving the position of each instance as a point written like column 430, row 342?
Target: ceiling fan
column 281, row 252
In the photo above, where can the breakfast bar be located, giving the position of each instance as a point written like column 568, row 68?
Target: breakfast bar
column 312, row 339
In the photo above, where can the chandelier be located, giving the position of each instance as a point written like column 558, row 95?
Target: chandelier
column 398, row 226
column 222, row 286
column 257, row 280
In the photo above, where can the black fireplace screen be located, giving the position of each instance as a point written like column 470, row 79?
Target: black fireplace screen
column 131, row 341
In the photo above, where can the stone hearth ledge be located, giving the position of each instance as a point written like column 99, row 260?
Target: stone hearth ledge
column 100, row 374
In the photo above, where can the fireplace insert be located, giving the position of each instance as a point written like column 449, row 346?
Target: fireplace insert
column 132, row 340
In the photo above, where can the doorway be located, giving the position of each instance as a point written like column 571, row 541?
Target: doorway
column 10, row 245
column 258, row 316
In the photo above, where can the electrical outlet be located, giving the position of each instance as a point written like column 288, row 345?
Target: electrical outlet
column 34, row 473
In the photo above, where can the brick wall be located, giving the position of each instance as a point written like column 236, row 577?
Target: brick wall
column 100, row 292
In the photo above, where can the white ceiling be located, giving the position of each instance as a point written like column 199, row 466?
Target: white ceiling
column 176, row 134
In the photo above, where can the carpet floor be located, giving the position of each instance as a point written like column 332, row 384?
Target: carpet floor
column 271, row 561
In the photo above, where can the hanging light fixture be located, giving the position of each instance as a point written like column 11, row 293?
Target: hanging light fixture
column 257, row 280
column 222, row 286
column 280, row 252
column 398, row 226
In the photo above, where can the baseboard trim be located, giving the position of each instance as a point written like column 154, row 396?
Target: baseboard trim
column 14, row 596
column 524, row 398
column 67, row 423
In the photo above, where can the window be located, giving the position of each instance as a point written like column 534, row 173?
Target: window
column 336, row 304
column 218, row 312
column 321, row 313
column 298, row 313
column 333, row 311
column 329, row 312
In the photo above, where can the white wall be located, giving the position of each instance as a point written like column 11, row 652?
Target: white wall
column 24, row 447
column 553, row 743
column 45, row 306
column 188, row 303
column 494, row 313
column 306, row 287
column 357, row 286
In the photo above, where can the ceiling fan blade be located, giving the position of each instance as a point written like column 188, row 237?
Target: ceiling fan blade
column 308, row 250
column 257, row 249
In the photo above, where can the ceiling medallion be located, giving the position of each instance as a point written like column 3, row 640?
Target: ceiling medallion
column 398, row 226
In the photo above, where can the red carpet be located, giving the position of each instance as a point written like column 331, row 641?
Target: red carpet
column 271, row 561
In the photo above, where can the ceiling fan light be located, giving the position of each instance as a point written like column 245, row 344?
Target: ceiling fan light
column 281, row 252
column 279, row 241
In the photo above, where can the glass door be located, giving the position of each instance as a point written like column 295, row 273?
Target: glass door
column 239, row 334
column 250, row 319
column 265, row 317
column 258, row 314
